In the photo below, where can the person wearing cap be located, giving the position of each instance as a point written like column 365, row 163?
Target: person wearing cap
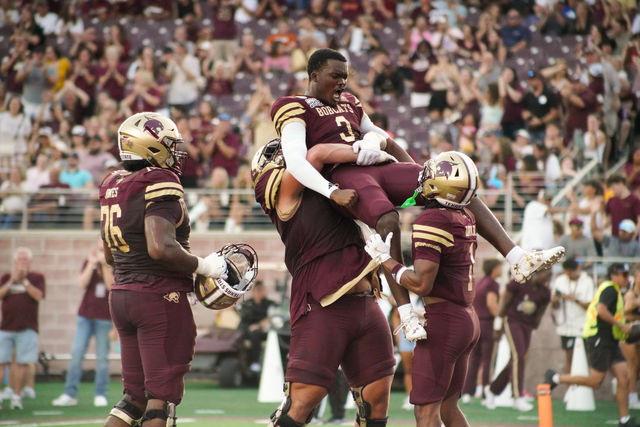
column 540, row 105
column 577, row 245
column 74, row 176
column 515, row 36
column 604, row 327
column 622, row 245
column 572, row 291
column 223, row 147
column 623, row 204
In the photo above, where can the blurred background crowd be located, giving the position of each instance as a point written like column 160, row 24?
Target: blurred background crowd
column 540, row 93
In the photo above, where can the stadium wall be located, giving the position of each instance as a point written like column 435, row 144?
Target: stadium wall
column 59, row 256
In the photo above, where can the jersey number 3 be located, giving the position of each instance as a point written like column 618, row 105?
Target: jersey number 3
column 112, row 233
column 347, row 136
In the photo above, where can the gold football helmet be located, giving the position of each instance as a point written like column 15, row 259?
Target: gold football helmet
column 242, row 269
column 451, row 178
column 151, row 137
column 267, row 157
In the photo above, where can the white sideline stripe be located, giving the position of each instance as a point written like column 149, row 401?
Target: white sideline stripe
column 48, row 412
column 76, row 422
column 528, row 417
column 209, row 411
column 264, row 421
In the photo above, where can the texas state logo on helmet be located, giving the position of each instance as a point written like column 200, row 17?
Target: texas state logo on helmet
column 151, row 137
column 242, row 269
column 451, row 178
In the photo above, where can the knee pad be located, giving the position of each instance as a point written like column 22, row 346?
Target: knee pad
column 127, row 412
column 280, row 416
column 363, row 412
column 167, row 413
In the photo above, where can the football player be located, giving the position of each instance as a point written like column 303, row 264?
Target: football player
column 335, row 319
column 444, row 247
column 145, row 231
column 328, row 114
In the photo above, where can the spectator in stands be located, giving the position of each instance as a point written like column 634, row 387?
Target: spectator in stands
column 622, row 204
column 224, row 44
column 511, row 94
column 255, row 322
column 515, row 36
column 248, row 58
column 143, row 95
column 631, row 169
column 442, row 77
column 13, row 62
column 306, row 28
column 487, row 306
column 360, row 37
column 185, row 80
column 622, row 245
column 595, row 141
column 580, row 102
column 71, row 103
column 70, row 24
column 301, row 54
column 278, row 59
column 389, row 81
column 537, row 223
column 223, row 147
column 83, row 73
column 60, row 63
column 604, row 327
column 246, row 11
column 550, row 17
column 112, row 73
column 259, row 114
column 95, row 159
column 576, row 243
column 572, row 291
column 631, row 352
column 36, row 77
column 38, row 175
column 420, row 60
column 15, row 128
column 604, row 80
column 96, row 278
column 539, row 106
column 491, row 108
column 46, row 19
column 74, row 176
column 21, row 290
column 14, row 199
column 271, row 9
column 191, row 166
column 549, row 163
column 521, row 308
column 283, row 34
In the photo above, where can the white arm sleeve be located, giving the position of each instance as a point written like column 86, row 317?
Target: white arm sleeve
column 366, row 125
column 294, row 148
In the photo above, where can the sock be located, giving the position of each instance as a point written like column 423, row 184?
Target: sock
column 405, row 311
column 633, row 397
column 515, row 254
column 556, row 378
column 623, row 420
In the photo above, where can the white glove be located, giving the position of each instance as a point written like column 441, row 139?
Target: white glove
column 378, row 249
column 214, row 265
column 384, row 157
column 367, row 157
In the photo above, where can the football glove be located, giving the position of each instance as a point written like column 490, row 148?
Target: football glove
column 214, row 265
column 378, row 249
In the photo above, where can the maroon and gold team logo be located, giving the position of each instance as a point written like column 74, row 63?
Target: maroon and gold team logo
column 444, row 168
column 173, row 297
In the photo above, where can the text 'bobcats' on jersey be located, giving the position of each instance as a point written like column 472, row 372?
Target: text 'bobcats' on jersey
column 126, row 198
column 325, row 124
column 448, row 237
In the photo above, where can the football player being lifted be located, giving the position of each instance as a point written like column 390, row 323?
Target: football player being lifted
column 335, row 319
column 443, row 244
column 145, row 229
column 371, row 188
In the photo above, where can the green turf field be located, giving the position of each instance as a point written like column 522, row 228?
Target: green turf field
column 205, row 404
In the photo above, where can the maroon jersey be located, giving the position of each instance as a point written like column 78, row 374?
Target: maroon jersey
column 448, row 237
column 126, row 198
column 323, row 249
column 526, row 302
column 325, row 124
column 19, row 310
column 95, row 302
column 485, row 286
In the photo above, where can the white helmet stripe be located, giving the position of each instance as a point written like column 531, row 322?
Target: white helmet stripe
column 473, row 178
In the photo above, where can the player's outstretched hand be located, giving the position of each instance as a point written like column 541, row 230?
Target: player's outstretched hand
column 367, row 157
column 347, row 198
column 377, row 248
column 214, row 265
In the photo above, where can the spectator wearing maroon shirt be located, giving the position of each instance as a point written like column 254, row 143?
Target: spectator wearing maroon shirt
column 143, row 96
column 12, row 63
column 96, row 278
column 522, row 307
column 631, row 170
column 191, row 166
column 20, row 291
column 224, row 147
column 224, row 42
column 248, row 58
column 580, row 101
column 622, row 205
column 112, row 73
column 83, row 73
column 486, row 306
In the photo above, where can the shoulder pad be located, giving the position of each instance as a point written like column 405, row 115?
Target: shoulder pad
column 161, row 184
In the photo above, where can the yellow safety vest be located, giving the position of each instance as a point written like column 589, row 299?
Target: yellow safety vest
column 591, row 321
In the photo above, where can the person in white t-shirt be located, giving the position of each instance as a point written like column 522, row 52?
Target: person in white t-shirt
column 573, row 290
column 537, row 223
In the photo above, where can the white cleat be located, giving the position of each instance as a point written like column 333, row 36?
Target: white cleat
column 65, row 400
column 406, row 405
column 521, row 404
column 466, row 398
column 16, row 402
column 489, row 399
column 28, row 393
column 534, row 261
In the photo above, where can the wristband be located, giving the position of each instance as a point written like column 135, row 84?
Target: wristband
column 397, row 272
column 332, row 188
column 200, row 264
column 497, row 324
